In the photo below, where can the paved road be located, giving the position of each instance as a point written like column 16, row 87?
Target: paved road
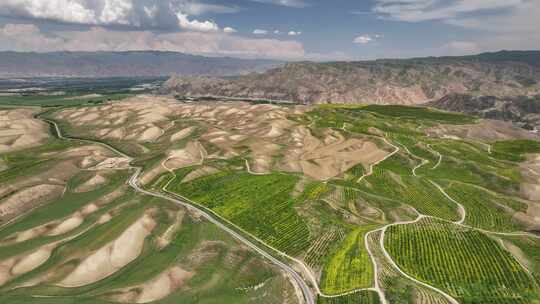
column 308, row 294
column 306, row 291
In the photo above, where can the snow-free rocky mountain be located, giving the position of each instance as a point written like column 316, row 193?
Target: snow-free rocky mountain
column 522, row 110
column 387, row 81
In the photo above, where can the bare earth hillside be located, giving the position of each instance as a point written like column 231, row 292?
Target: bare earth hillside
column 408, row 82
column 523, row 110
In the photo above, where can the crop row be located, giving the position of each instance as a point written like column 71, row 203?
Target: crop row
column 514, row 150
column 259, row 204
column 464, row 262
column 419, row 113
column 530, row 253
column 320, row 247
column 464, row 162
column 350, row 266
column 361, row 297
column 485, row 209
column 416, row 192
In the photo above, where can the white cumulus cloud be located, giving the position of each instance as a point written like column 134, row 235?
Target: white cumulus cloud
column 132, row 13
column 229, row 30
column 196, row 25
column 23, row 37
column 62, row 10
column 260, row 32
column 365, row 39
column 294, row 33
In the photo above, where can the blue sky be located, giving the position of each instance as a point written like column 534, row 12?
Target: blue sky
column 282, row 29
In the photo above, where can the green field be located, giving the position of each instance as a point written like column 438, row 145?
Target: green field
column 361, row 297
column 246, row 199
column 484, row 185
column 464, row 162
column 461, row 262
column 417, row 113
column 324, row 223
column 350, row 266
column 487, row 210
column 514, row 150
column 60, row 100
column 392, row 180
column 529, row 252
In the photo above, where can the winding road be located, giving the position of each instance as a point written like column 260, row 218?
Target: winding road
column 393, row 263
column 309, row 297
column 240, row 234
column 370, row 171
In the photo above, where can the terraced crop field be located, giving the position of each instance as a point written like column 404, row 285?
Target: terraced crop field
column 421, row 114
column 350, row 267
column 526, row 249
column 487, row 210
column 416, row 192
column 514, row 150
column 362, row 297
column 150, row 199
column 316, row 253
column 468, row 163
column 464, row 263
column 485, row 187
column 71, row 230
column 245, row 199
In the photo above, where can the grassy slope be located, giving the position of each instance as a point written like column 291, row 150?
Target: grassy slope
column 223, row 278
column 514, row 150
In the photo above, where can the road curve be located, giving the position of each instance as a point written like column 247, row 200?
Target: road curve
column 306, row 291
column 462, row 210
column 370, row 170
column 308, row 295
column 396, row 267
column 378, row 289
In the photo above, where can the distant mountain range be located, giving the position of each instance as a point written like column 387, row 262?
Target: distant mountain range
column 121, row 64
column 387, row 81
column 522, row 110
